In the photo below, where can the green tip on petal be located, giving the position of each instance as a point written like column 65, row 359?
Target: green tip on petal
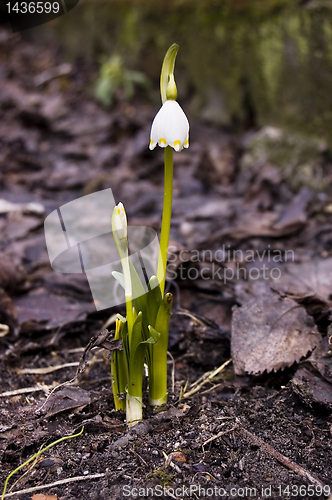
column 171, row 90
column 167, row 70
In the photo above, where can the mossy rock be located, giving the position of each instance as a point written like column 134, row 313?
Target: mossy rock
column 299, row 157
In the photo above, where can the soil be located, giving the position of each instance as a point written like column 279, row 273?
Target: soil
column 243, row 436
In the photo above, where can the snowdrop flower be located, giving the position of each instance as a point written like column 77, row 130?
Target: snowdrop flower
column 119, row 228
column 170, row 126
column 120, row 221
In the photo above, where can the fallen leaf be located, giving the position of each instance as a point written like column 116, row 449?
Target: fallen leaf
column 41, row 310
column 19, row 226
column 176, row 456
column 67, row 399
column 12, row 273
column 312, row 388
column 269, row 333
column 310, row 281
column 105, row 340
column 321, row 359
column 295, row 215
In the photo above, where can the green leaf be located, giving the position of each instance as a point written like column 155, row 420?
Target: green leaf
column 163, row 317
column 158, row 352
column 154, row 334
column 121, row 318
column 119, row 278
column 120, row 364
column 136, row 337
column 167, row 69
column 140, row 295
column 154, row 299
column 137, row 357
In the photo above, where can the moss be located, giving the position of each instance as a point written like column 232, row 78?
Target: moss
column 161, row 476
column 298, row 156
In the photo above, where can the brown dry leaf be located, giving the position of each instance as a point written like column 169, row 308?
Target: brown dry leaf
column 12, row 273
column 105, row 340
column 68, row 398
column 312, row 388
column 295, row 215
column 306, row 280
column 41, row 310
column 269, row 333
column 19, row 226
column 321, row 359
column 177, row 456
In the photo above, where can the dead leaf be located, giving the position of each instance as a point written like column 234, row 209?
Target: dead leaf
column 312, row 388
column 102, row 340
column 295, row 214
column 19, row 226
column 68, row 398
column 41, row 310
column 321, row 359
column 12, row 273
column 269, row 333
column 176, row 456
column 308, row 280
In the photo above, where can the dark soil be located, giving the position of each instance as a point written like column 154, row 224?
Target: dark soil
column 238, row 436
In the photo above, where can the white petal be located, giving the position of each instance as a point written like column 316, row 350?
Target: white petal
column 120, row 221
column 170, row 127
column 177, row 126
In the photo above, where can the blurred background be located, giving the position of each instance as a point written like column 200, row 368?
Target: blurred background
column 243, row 63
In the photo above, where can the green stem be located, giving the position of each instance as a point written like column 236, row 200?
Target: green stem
column 128, row 296
column 36, row 455
column 130, row 317
column 166, row 220
column 158, row 366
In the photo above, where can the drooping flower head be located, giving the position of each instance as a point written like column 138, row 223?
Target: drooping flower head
column 170, row 126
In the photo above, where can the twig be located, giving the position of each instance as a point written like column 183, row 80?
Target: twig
column 173, row 371
column 219, row 435
column 139, row 456
column 212, row 388
column 207, row 377
column 56, row 483
column 45, row 370
column 184, row 312
column 255, row 440
column 26, row 390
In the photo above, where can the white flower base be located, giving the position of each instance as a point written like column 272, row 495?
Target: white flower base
column 133, row 410
column 158, row 403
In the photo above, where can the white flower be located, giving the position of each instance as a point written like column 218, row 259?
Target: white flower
column 119, row 221
column 170, row 127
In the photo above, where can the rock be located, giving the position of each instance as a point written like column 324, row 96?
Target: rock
column 299, row 157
